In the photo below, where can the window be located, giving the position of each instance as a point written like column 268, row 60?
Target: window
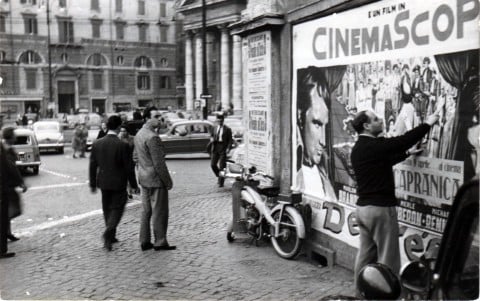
column 120, row 60
column 118, row 6
column 163, row 10
column 163, row 33
column 165, row 82
column 94, row 5
column 96, row 28
column 30, row 22
column 98, row 80
column 97, row 60
column 29, row 57
column 141, row 7
column 142, row 32
column 164, row 62
column 64, row 57
column 31, row 2
column 3, row 19
column 62, row 3
column 3, row 55
column 65, row 31
column 120, row 29
column 31, row 75
column 143, row 81
column 143, row 62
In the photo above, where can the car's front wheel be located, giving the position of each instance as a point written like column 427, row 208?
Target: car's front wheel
column 35, row 170
column 60, row 150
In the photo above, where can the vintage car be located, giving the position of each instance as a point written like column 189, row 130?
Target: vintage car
column 187, row 136
column 49, row 135
column 448, row 271
column 28, row 153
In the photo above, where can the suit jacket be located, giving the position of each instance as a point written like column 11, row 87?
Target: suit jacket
column 227, row 139
column 110, row 164
column 152, row 171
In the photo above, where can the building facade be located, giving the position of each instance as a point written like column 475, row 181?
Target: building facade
column 102, row 55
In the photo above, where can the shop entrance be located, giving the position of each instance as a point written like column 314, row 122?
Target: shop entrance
column 66, row 97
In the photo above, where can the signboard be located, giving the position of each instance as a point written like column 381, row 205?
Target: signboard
column 376, row 57
column 258, row 93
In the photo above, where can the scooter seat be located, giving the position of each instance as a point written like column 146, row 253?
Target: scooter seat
column 269, row 191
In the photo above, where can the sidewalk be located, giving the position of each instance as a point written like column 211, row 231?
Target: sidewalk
column 68, row 262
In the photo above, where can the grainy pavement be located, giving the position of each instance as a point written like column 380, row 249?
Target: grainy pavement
column 67, row 261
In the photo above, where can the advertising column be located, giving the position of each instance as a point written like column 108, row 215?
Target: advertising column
column 258, row 94
column 403, row 60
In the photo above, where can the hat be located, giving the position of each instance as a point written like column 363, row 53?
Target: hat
column 220, row 116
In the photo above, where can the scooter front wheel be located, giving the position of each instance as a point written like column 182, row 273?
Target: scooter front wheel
column 288, row 244
column 230, row 236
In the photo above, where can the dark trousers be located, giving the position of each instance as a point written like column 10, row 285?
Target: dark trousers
column 113, row 205
column 218, row 162
column 4, row 222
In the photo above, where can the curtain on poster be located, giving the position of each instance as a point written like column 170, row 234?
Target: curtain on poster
column 403, row 60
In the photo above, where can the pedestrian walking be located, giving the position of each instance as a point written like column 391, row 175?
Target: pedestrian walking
column 221, row 142
column 125, row 137
column 8, row 135
column 79, row 142
column 10, row 178
column 155, row 182
column 109, row 170
column 103, row 130
column 373, row 157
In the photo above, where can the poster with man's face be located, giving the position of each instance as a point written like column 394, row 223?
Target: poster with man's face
column 403, row 60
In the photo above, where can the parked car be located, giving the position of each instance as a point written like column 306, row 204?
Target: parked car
column 49, row 135
column 93, row 131
column 187, row 136
column 28, row 152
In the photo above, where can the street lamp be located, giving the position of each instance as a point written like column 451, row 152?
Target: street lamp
column 50, row 105
column 205, row 95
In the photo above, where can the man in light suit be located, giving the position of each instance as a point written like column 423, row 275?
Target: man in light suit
column 110, row 166
column 155, row 180
column 221, row 143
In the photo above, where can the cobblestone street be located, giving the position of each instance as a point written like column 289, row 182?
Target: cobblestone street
column 68, row 262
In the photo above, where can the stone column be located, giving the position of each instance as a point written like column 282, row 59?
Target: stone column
column 237, row 83
column 225, row 68
column 189, row 96
column 198, row 65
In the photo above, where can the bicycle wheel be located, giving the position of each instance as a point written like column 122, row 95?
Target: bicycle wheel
column 288, row 244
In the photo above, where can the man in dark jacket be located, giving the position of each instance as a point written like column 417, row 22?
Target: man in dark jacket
column 221, row 143
column 373, row 157
column 110, row 166
column 9, row 179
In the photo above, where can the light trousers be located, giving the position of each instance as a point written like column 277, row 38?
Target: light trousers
column 155, row 209
column 378, row 238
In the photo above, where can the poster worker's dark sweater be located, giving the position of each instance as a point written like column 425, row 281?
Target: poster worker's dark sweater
column 373, row 159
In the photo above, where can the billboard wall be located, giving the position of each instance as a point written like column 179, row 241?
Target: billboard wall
column 403, row 60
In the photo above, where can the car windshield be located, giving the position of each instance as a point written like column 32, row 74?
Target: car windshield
column 22, row 140
column 46, row 127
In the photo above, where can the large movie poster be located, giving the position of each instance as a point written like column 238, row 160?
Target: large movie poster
column 403, row 60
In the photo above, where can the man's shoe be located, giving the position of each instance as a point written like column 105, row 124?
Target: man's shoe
column 146, row 246
column 12, row 237
column 164, row 248
column 6, row 255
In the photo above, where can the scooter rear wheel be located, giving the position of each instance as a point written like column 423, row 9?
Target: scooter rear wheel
column 288, row 244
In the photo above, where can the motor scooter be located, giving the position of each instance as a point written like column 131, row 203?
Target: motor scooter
column 258, row 211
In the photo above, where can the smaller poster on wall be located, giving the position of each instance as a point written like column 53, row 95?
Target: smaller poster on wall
column 256, row 50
